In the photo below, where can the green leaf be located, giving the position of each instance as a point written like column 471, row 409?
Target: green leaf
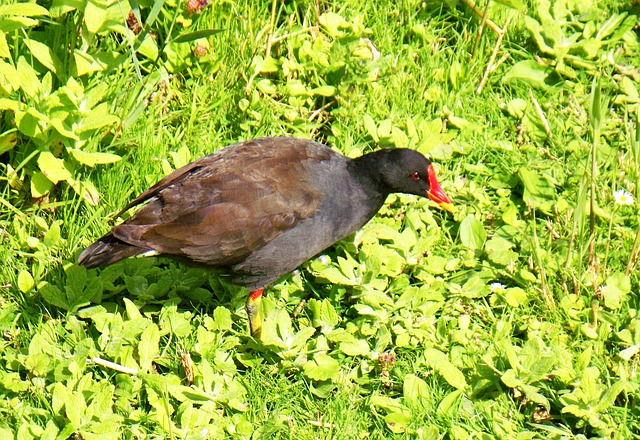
column 54, row 296
column 324, row 91
column 358, row 347
column 628, row 24
column 515, row 296
column 9, row 104
column 24, row 9
column 192, row 36
column 58, row 124
column 46, row 56
column 370, row 126
column 85, row 63
column 28, row 78
column 450, row 405
column 549, row 30
column 29, row 122
column 539, row 192
column 266, row 65
column 8, row 74
column 510, row 378
column 40, row 185
column 86, row 190
column 397, row 422
column 132, row 310
column 94, row 158
column 472, row 233
column 148, row 348
column 52, row 236
column 322, row 367
column 399, row 137
column 324, row 314
column 333, row 23
column 295, row 87
column 618, row 285
column 518, row 5
column 516, row 107
column 25, row 281
column 611, row 394
column 181, row 157
column 417, row 394
column 97, row 118
column 266, row 86
column 222, row 318
column 499, row 251
column 389, row 404
column 441, row 364
column 52, row 167
column 628, row 353
column 10, row 24
column 529, row 73
column 94, row 16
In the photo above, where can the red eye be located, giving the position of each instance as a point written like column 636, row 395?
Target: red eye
column 416, row 176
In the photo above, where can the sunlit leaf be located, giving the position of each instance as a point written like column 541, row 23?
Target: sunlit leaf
column 98, row 117
column 8, row 140
column 85, row 189
column 52, row 167
column 85, row 63
column 25, row 281
column 499, row 251
column 192, row 36
column 397, row 422
column 93, row 158
column 94, row 16
column 54, row 296
column 443, row 366
column 515, row 296
column 529, row 73
column 40, row 184
column 28, row 77
column 614, row 292
column 358, row 347
column 324, row 91
column 46, row 56
column 472, row 233
column 416, row 392
column 333, row 23
column 24, row 9
column 370, row 126
column 324, row 314
column 539, row 193
column 148, row 347
column 321, row 367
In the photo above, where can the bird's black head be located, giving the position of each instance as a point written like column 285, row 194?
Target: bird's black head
column 406, row 171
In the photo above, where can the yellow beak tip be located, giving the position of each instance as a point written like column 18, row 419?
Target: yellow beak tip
column 448, row 207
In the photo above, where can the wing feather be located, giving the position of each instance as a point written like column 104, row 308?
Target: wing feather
column 221, row 208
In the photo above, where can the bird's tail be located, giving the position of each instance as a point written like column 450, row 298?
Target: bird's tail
column 107, row 250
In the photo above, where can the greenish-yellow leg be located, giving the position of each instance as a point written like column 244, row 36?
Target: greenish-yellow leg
column 253, row 312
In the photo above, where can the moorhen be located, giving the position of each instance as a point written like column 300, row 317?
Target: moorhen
column 256, row 210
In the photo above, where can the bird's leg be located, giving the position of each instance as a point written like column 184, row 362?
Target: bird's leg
column 253, row 311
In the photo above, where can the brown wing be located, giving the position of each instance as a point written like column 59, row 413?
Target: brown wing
column 221, row 208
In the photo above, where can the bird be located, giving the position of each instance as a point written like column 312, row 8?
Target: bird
column 256, row 210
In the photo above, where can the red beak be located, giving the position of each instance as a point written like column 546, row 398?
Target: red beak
column 437, row 194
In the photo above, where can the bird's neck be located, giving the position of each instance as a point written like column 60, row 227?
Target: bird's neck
column 369, row 170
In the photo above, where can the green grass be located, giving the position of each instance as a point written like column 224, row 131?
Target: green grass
column 404, row 333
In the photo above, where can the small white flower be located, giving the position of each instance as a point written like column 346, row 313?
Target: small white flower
column 497, row 288
column 623, row 197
